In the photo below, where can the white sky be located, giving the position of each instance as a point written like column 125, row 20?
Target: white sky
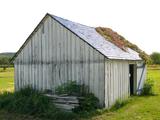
column 136, row 20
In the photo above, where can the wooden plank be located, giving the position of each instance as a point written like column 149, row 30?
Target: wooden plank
column 43, row 58
column 96, row 74
column 60, row 54
column 38, row 58
column 108, row 82
column 76, row 60
column 68, row 61
column 27, row 64
column 33, row 61
column 116, row 81
column 80, row 62
column 64, row 106
column 127, row 79
column 63, row 97
column 94, row 87
column 110, row 72
column 70, row 43
column 62, row 101
column 91, row 70
column 120, row 81
column 112, row 83
column 123, row 70
column 54, row 53
column 85, row 56
column 47, row 55
column 73, row 56
column 36, row 61
column 101, row 80
column 22, row 70
column 65, row 55
column 30, row 62
column 50, row 75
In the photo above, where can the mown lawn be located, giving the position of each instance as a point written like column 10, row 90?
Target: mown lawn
column 138, row 108
column 6, row 79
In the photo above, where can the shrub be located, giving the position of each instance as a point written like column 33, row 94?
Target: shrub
column 72, row 88
column 87, row 101
column 32, row 102
column 148, row 87
column 118, row 104
column 87, row 104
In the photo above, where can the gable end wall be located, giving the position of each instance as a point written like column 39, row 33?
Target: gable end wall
column 54, row 55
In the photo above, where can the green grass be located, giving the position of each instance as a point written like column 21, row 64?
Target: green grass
column 6, row 79
column 138, row 107
column 13, row 116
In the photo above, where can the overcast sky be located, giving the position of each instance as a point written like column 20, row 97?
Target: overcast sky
column 136, row 20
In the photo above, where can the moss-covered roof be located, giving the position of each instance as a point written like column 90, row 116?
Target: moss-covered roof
column 121, row 42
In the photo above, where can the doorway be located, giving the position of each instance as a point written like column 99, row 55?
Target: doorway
column 131, row 78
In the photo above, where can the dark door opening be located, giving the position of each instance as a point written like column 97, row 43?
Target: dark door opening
column 131, row 77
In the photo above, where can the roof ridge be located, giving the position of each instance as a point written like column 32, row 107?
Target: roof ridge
column 55, row 16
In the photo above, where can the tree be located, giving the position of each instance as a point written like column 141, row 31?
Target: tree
column 155, row 56
column 4, row 62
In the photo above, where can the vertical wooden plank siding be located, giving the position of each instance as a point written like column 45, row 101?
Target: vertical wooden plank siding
column 55, row 55
column 116, row 81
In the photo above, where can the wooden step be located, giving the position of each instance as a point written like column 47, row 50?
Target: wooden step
column 64, row 102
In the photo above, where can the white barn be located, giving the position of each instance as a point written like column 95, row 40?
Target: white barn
column 59, row 50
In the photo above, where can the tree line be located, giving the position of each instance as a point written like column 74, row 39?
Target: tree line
column 5, row 62
column 155, row 57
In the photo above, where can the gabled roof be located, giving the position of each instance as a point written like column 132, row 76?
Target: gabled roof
column 94, row 39
column 91, row 36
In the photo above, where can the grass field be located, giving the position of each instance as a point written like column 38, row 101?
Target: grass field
column 138, row 108
column 6, row 79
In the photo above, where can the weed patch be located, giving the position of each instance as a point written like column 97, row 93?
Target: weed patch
column 148, row 87
column 31, row 102
column 119, row 104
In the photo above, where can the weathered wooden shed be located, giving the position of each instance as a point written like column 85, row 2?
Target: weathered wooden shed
column 59, row 50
